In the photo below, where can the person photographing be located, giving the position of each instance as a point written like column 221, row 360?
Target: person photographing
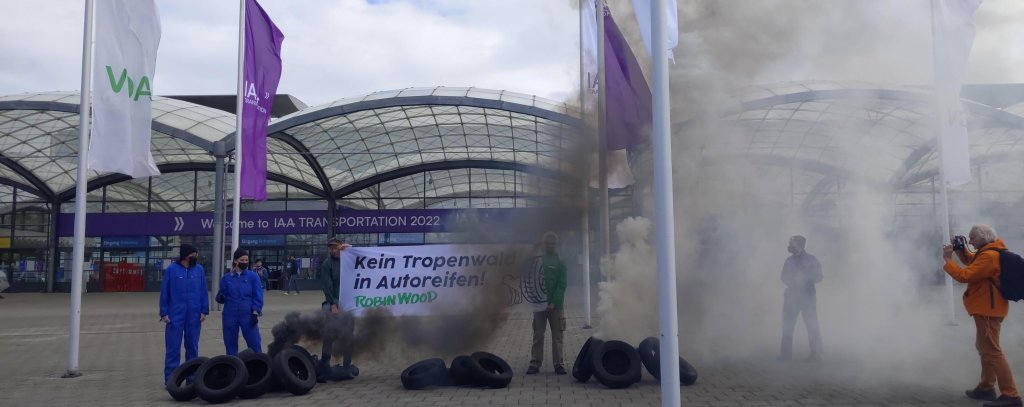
column 987, row 306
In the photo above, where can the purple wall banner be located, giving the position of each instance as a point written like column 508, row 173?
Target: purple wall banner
column 310, row 222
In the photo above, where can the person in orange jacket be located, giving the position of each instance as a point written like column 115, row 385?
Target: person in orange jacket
column 988, row 308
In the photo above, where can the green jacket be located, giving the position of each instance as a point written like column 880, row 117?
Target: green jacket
column 329, row 276
column 555, row 279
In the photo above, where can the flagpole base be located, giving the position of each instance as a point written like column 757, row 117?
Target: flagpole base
column 71, row 374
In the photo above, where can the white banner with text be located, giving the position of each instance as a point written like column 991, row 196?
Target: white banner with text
column 441, row 279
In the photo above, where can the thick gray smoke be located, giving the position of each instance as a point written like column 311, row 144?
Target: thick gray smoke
column 745, row 183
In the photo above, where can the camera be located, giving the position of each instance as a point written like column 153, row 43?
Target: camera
column 959, row 242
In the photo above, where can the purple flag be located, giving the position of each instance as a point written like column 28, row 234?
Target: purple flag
column 629, row 102
column 262, row 71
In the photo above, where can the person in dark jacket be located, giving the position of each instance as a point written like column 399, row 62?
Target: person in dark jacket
column 987, row 306
column 555, row 282
column 330, row 277
column 800, row 273
column 242, row 296
column 184, row 305
column 263, row 273
column 292, row 275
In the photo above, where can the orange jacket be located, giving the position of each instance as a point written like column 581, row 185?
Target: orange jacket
column 982, row 277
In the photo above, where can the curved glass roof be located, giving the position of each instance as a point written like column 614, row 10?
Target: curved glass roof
column 802, row 137
column 360, row 141
column 335, row 149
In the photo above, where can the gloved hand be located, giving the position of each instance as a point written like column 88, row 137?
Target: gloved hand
column 254, row 319
column 220, row 298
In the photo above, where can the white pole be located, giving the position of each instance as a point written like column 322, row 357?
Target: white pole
column 81, row 193
column 665, row 218
column 585, row 230
column 586, row 256
column 602, row 146
column 939, row 118
column 236, row 205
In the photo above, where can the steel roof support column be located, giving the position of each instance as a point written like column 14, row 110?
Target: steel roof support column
column 54, row 258
column 220, row 154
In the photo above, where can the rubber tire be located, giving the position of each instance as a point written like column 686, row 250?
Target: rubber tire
column 305, row 352
column 650, row 357
column 459, row 372
column 176, row 386
column 261, row 375
column 616, row 364
column 220, row 379
column 583, row 367
column 650, row 354
column 419, row 375
column 489, row 370
column 294, row 371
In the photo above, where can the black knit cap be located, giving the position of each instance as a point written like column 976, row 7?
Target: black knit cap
column 186, row 250
column 239, row 253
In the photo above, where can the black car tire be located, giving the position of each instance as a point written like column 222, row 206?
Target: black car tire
column 294, row 371
column 220, row 379
column 261, row 375
column 177, row 385
column 651, row 356
column 459, row 371
column 419, row 375
column 489, row 370
column 583, row 367
column 616, row 364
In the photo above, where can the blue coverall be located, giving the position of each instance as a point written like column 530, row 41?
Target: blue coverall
column 183, row 297
column 243, row 296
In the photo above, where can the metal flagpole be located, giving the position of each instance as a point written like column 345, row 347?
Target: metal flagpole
column 236, row 204
column 81, row 194
column 602, row 144
column 947, row 229
column 664, row 215
column 585, row 226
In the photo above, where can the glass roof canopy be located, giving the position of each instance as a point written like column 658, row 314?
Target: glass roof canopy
column 418, row 142
column 335, row 150
column 883, row 136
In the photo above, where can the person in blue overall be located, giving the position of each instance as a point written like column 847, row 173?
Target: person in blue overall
column 184, row 305
column 242, row 296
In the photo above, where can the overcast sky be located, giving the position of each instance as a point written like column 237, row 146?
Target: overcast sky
column 339, row 48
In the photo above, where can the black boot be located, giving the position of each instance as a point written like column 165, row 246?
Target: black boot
column 978, row 394
column 1004, row 401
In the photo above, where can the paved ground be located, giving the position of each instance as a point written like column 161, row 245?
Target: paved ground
column 122, row 352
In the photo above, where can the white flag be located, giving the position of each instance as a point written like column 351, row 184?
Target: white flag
column 954, row 35
column 642, row 8
column 127, row 37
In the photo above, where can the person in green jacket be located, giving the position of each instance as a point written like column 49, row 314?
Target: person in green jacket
column 555, row 281
column 329, row 275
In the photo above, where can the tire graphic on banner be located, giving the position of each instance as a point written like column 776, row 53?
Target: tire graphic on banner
column 532, row 281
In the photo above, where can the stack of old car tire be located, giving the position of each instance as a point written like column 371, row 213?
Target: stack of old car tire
column 481, row 369
column 616, row 364
column 249, row 375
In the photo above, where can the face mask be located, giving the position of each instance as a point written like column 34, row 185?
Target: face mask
column 243, row 266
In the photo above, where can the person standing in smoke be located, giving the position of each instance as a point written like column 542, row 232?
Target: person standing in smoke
column 242, row 296
column 555, row 282
column 184, row 305
column 330, row 277
column 800, row 273
column 988, row 307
